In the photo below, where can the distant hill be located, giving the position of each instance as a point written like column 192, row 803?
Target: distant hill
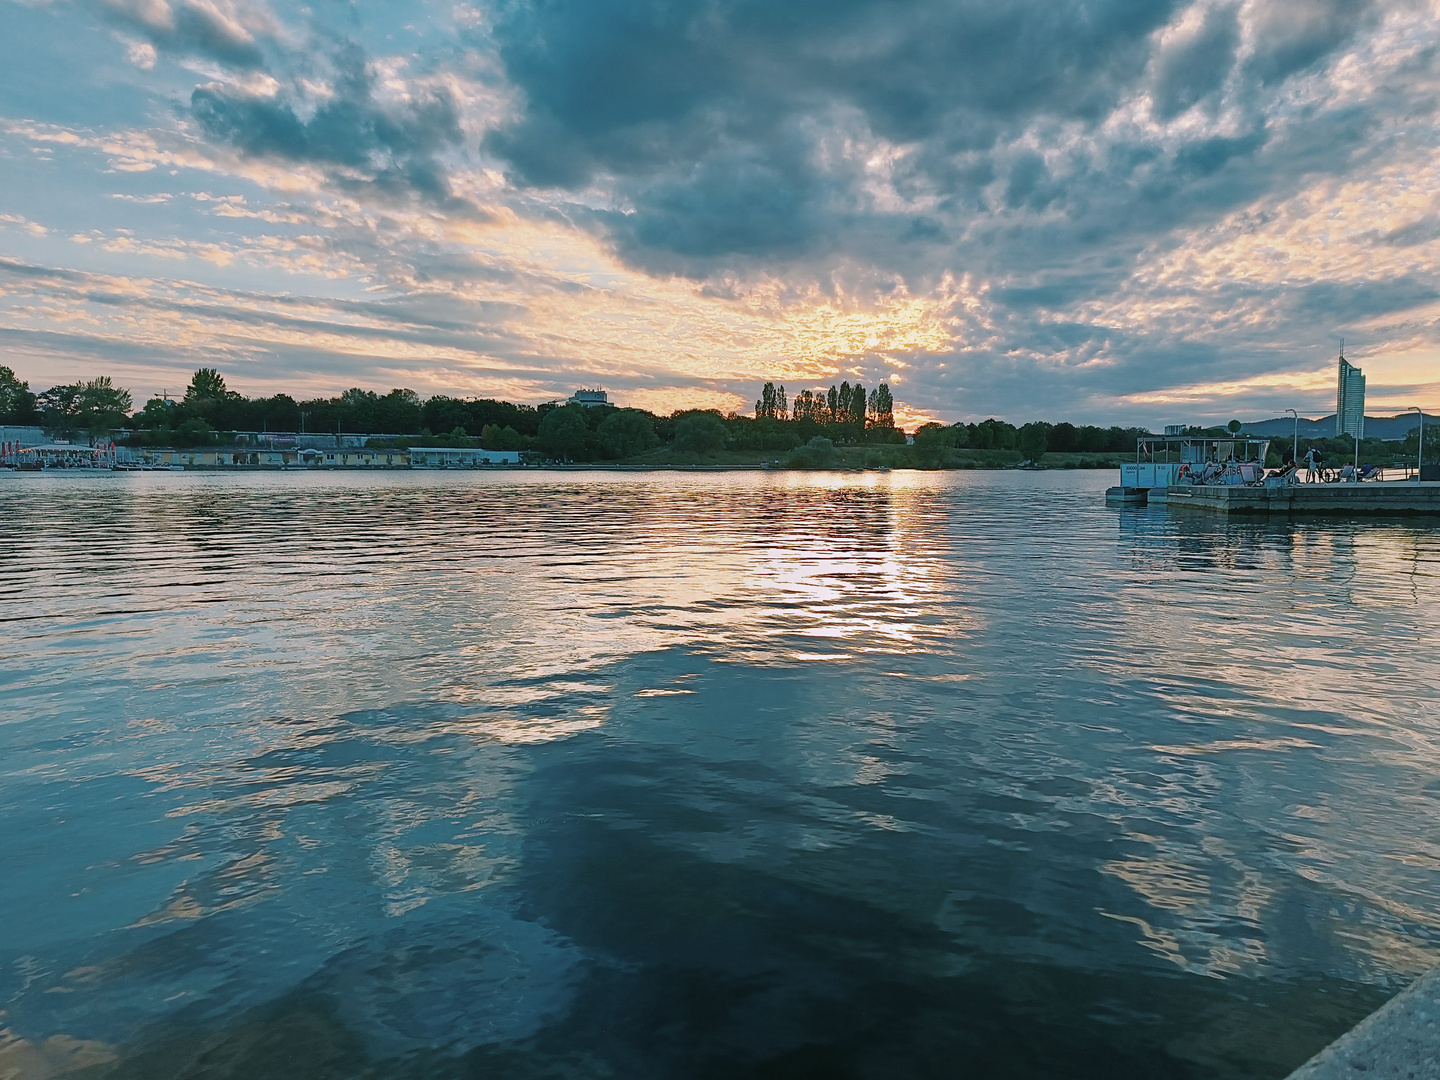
column 1376, row 427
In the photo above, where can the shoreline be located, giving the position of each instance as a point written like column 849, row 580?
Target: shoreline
column 583, row 467
column 1398, row 1041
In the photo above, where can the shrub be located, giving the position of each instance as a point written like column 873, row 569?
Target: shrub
column 818, row 453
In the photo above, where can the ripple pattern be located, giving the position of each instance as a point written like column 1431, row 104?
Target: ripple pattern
column 535, row 774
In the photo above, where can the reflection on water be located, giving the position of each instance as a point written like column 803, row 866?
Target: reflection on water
column 713, row 775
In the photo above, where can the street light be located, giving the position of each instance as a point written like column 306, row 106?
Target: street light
column 1420, row 454
column 1295, row 447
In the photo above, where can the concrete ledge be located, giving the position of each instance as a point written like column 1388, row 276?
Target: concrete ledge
column 1372, row 498
column 1400, row 1041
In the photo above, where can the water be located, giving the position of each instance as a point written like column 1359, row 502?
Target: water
column 710, row 775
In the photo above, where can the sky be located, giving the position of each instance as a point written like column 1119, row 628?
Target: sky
column 1102, row 211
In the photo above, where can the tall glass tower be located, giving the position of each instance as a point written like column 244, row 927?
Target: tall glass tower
column 1350, row 401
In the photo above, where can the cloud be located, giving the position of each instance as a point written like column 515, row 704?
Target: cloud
column 1090, row 209
column 1194, row 63
column 221, row 30
column 735, row 128
column 390, row 146
column 1296, row 34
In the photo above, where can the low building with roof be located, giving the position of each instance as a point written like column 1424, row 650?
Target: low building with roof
column 461, row 457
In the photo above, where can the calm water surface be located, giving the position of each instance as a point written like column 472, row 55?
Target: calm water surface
column 705, row 775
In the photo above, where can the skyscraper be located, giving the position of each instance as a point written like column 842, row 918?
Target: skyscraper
column 1350, row 401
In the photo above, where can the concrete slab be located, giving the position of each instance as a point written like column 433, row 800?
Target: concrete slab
column 1370, row 499
column 1399, row 1041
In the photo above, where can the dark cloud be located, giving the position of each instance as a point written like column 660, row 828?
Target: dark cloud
column 710, row 116
column 1296, row 34
column 392, row 148
column 627, row 86
column 1197, row 64
column 188, row 28
column 714, row 122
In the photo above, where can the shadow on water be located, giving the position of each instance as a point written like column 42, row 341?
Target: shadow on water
column 945, row 950
column 710, row 970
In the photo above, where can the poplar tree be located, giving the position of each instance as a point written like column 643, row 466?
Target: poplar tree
column 882, row 405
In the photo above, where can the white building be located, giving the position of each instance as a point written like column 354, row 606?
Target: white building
column 589, row 398
column 460, row 457
column 1350, row 401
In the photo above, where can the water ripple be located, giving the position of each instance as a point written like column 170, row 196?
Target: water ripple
column 431, row 774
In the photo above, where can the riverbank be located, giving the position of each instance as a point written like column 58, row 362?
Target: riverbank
column 870, row 457
column 841, row 459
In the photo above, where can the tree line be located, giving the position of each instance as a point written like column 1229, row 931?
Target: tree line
column 1032, row 440
column 209, row 413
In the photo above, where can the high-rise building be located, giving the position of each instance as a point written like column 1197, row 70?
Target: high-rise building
column 1350, row 401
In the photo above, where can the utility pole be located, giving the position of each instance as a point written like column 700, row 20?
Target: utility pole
column 1420, row 453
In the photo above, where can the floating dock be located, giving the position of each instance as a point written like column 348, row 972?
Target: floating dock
column 1371, row 498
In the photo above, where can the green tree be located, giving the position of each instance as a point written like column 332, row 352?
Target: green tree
column 60, row 410
column 1035, row 440
column 442, row 413
column 206, row 392
column 563, row 431
column 933, row 443
column 772, row 405
column 17, row 403
column 95, row 407
column 627, row 432
column 883, row 407
column 1411, row 445
column 700, row 433
column 818, row 453
column 855, row 407
column 158, row 413
column 809, row 406
column 195, row 432
column 103, row 407
column 934, row 435
column 398, row 412
column 494, row 437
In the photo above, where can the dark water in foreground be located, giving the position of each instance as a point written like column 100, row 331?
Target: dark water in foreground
column 733, row 775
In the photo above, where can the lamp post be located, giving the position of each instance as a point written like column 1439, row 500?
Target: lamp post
column 1420, row 453
column 1295, row 446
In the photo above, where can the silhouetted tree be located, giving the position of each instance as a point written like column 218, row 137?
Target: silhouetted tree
column 17, row 403
column 700, row 433
column 1035, row 440
column 96, row 407
column 563, row 431
column 627, row 432
column 855, row 408
column 882, row 406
